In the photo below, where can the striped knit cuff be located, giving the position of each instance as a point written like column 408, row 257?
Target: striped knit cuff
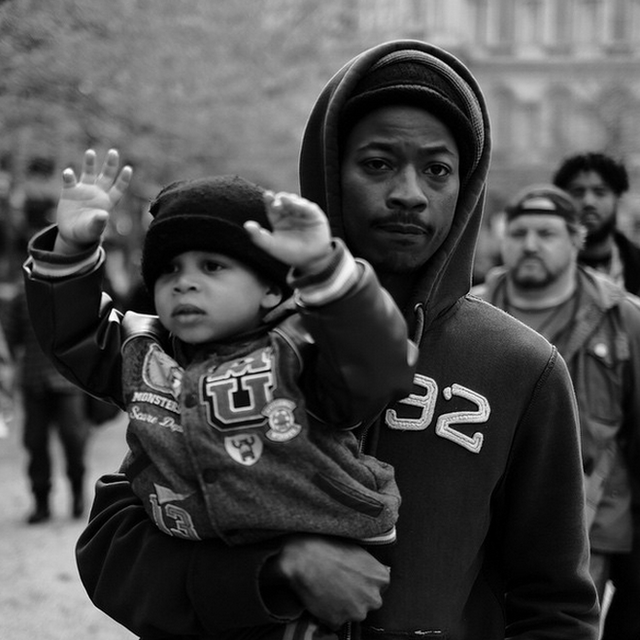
column 53, row 266
column 333, row 282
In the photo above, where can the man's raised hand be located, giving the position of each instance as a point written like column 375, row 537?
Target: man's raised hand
column 85, row 204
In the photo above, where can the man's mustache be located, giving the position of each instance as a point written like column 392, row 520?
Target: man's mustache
column 403, row 218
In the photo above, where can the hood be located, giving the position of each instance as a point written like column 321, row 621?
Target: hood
column 447, row 275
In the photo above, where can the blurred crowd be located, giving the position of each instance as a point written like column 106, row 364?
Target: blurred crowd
column 51, row 404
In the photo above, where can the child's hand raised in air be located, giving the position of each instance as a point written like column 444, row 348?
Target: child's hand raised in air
column 301, row 236
column 85, row 204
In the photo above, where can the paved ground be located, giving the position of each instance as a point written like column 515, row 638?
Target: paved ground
column 40, row 592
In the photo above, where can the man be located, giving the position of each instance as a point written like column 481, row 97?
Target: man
column 597, row 182
column 595, row 324
column 491, row 539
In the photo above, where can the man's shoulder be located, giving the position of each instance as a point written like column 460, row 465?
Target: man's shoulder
column 600, row 286
column 481, row 321
column 628, row 246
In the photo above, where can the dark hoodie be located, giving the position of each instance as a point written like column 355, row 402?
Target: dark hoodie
column 491, row 537
column 491, row 533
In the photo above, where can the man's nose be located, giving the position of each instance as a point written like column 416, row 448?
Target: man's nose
column 530, row 242
column 407, row 192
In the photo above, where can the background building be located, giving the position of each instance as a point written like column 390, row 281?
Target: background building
column 195, row 87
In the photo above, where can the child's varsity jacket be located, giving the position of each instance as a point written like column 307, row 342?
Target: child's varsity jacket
column 251, row 438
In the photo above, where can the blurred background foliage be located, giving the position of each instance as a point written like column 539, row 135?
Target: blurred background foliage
column 181, row 87
column 185, row 88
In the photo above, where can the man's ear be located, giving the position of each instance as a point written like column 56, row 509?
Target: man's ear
column 272, row 297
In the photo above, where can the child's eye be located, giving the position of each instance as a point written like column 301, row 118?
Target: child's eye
column 168, row 268
column 212, row 266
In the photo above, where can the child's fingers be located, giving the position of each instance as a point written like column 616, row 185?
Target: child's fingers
column 69, row 179
column 121, row 184
column 109, row 170
column 88, row 167
column 97, row 224
column 260, row 236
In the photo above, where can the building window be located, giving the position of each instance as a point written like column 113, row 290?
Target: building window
column 528, row 128
column 623, row 23
column 530, row 24
column 562, row 25
column 588, row 24
column 481, row 22
column 505, row 21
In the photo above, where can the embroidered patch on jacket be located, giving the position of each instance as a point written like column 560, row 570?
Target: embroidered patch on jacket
column 161, row 372
column 235, row 392
column 282, row 422
column 245, row 449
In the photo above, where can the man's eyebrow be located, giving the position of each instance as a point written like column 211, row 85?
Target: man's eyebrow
column 388, row 145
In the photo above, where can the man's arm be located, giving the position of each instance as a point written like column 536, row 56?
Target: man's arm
column 154, row 584
column 545, row 548
column 158, row 585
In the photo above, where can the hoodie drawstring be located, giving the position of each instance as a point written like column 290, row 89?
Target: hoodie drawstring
column 418, row 310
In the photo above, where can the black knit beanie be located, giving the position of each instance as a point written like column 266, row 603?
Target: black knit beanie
column 417, row 78
column 207, row 214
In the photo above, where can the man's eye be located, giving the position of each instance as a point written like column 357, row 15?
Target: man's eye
column 375, row 164
column 438, row 170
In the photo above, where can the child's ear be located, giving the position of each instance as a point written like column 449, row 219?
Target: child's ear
column 272, row 297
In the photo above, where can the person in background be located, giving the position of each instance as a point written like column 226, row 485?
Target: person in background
column 491, row 538
column 597, row 182
column 595, row 324
column 50, row 401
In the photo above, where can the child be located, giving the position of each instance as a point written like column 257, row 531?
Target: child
column 242, row 405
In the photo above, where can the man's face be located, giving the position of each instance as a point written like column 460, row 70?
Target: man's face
column 596, row 202
column 537, row 250
column 400, row 184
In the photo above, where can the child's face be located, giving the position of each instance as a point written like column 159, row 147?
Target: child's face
column 204, row 296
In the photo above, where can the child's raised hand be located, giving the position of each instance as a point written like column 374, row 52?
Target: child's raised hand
column 301, row 236
column 85, row 204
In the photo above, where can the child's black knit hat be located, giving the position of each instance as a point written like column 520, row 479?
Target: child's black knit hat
column 208, row 214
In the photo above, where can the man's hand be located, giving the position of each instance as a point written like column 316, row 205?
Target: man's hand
column 85, row 204
column 337, row 582
column 301, row 236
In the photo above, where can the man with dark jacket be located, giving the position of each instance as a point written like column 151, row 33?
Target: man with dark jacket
column 597, row 182
column 595, row 324
column 491, row 538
